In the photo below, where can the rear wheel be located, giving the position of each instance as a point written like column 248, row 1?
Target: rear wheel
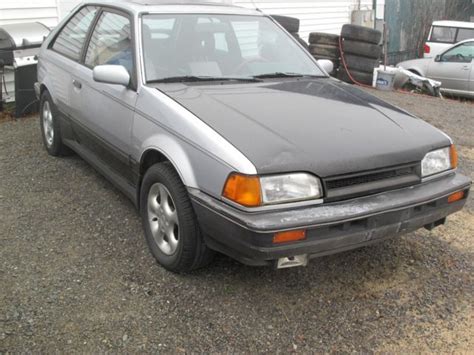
column 50, row 128
column 171, row 227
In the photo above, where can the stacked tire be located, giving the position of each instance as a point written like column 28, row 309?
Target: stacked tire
column 361, row 50
column 325, row 46
column 292, row 25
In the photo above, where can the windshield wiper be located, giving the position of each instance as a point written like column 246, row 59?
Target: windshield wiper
column 192, row 78
column 286, row 75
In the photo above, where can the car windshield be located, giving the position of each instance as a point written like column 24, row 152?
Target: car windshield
column 183, row 47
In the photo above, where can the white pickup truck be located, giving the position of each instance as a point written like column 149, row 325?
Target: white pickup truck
column 444, row 34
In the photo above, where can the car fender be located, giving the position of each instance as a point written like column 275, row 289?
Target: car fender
column 420, row 66
column 173, row 151
column 202, row 157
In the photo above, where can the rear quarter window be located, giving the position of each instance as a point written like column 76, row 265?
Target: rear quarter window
column 71, row 38
column 443, row 34
column 465, row 33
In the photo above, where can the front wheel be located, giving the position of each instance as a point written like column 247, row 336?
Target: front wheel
column 171, row 228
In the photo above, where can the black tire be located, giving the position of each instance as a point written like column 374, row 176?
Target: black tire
column 360, row 77
column 323, row 38
column 324, row 50
column 191, row 252
column 300, row 40
column 53, row 143
column 359, row 63
column 363, row 49
column 291, row 24
column 360, row 33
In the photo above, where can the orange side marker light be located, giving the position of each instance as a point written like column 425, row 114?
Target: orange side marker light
column 291, row 236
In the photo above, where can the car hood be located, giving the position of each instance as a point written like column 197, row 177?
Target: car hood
column 321, row 126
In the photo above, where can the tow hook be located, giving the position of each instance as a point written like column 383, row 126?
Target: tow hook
column 435, row 224
column 292, row 261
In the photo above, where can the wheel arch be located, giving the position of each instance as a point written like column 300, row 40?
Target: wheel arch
column 173, row 154
column 43, row 88
column 416, row 71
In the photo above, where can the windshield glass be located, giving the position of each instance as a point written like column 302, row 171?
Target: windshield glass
column 219, row 46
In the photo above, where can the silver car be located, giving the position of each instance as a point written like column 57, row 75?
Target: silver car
column 228, row 136
column 454, row 68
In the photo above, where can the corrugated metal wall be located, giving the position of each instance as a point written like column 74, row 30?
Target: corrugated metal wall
column 409, row 22
column 315, row 15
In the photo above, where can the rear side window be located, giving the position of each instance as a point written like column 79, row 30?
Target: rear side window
column 465, row 33
column 443, row 34
column 70, row 40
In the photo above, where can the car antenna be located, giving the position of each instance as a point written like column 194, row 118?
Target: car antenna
column 255, row 5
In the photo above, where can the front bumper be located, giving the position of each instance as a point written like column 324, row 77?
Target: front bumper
column 330, row 228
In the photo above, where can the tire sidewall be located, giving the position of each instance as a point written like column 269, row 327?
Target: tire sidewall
column 187, row 234
column 55, row 148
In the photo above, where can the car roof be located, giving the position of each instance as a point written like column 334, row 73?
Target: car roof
column 465, row 41
column 460, row 24
column 178, row 6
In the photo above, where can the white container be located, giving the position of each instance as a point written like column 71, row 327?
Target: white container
column 385, row 80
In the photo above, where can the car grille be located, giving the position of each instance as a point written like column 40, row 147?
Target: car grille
column 366, row 183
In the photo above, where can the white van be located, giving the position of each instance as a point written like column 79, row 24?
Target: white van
column 444, row 34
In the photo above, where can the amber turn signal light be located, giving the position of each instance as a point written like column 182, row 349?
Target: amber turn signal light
column 456, row 196
column 454, row 156
column 243, row 189
column 287, row 237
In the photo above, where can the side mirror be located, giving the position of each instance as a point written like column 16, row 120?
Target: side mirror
column 111, row 74
column 326, row 64
column 438, row 58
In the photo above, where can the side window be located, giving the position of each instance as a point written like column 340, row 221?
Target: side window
column 70, row 40
column 111, row 42
column 465, row 33
column 443, row 34
column 460, row 54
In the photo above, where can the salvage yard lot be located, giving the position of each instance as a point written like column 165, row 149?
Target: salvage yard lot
column 76, row 274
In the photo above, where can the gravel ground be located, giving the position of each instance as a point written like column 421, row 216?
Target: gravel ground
column 76, row 275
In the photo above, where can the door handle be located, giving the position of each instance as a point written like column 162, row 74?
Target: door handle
column 466, row 67
column 77, row 84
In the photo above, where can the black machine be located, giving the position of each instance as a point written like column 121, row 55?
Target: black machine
column 19, row 46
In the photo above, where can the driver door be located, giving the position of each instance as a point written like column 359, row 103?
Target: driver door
column 453, row 68
column 106, row 111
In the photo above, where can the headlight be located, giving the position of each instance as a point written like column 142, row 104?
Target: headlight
column 288, row 188
column 438, row 161
column 253, row 191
